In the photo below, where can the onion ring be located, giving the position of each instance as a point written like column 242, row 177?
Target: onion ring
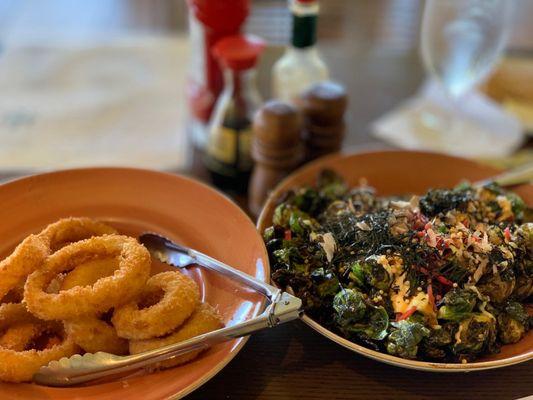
column 204, row 319
column 124, row 285
column 88, row 273
column 69, row 230
column 93, row 335
column 19, row 336
column 27, row 257
column 180, row 298
column 20, row 366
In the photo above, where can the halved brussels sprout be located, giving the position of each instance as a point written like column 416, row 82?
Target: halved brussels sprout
column 458, row 303
column 349, row 306
column 371, row 273
column 327, row 283
column 403, row 341
column 374, row 326
column 331, row 185
column 434, row 346
column 497, row 286
column 475, row 334
column 513, row 322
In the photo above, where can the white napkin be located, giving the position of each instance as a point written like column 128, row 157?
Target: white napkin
column 108, row 101
column 483, row 128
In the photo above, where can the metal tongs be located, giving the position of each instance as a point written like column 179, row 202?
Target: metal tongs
column 77, row 369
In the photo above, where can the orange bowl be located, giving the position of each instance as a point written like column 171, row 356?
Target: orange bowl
column 135, row 201
column 402, row 172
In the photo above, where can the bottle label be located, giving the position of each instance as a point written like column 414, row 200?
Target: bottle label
column 232, row 148
column 303, row 30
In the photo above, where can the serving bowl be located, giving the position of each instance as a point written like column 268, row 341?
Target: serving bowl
column 136, row 201
column 392, row 173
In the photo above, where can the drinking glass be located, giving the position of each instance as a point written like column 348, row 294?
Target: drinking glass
column 461, row 41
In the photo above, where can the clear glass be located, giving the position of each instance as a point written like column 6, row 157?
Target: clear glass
column 461, row 41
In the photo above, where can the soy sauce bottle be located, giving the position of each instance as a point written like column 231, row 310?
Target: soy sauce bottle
column 227, row 156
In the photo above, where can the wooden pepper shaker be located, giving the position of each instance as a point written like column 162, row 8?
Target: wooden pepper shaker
column 276, row 149
column 323, row 106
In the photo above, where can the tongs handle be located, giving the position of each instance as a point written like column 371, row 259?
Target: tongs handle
column 218, row 266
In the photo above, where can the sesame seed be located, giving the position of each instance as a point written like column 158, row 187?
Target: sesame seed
column 464, row 361
column 455, row 284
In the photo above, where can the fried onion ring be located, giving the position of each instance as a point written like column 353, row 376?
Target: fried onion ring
column 88, row 273
column 19, row 336
column 93, row 335
column 180, row 298
column 69, row 230
column 204, row 319
column 123, row 286
column 27, row 257
column 20, row 366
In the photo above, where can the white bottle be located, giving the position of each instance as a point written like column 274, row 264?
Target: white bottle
column 301, row 65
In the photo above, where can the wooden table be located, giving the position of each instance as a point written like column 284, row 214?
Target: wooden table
column 372, row 48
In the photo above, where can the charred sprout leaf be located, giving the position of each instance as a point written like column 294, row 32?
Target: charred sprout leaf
column 403, row 341
column 497, row 286
column 476, row 334
column 458, row 304
column 374, row 326
column 349, row 307
column 326, row 281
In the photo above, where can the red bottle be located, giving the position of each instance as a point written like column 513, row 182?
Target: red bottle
column 209, row 21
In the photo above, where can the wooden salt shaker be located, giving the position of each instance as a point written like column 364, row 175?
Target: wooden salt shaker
column 323, row 106
column 277, row 149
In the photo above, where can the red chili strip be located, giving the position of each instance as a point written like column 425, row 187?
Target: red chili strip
column 288, row 234
column 410, row 311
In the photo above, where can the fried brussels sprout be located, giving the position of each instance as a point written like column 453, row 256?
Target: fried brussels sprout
column 354, row 316
column 371, row 273
column 291, row 217
column 405, row 337
column 308, row 200
column 497, row 286
column 439, row 201
column 513, row 322
column 331, row 185
column 349, row 306
column 434, row 346
column 458, row 303
column 524, row 286
column 374, row 326
column 327, row 283
column 476, row 334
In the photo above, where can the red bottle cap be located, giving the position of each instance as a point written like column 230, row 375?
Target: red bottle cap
column 220, row 15
column 238, row 52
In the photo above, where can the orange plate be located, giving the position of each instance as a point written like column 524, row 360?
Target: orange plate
column 136, row 201
column 401, row 172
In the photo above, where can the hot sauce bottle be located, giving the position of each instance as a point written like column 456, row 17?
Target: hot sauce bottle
column 209, row 21
column 227, row 155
